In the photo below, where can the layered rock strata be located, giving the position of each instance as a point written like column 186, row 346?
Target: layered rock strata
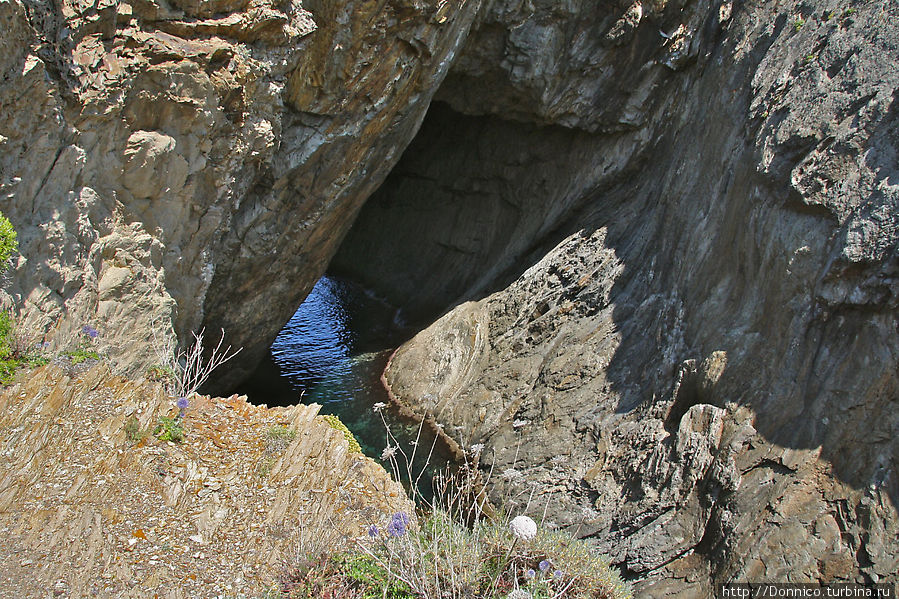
column 668, row 228
column 92, row 505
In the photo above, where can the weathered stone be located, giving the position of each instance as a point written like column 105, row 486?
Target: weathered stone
column 80, row 469
column 705, row 331
column 668, row 231
column 195, row 128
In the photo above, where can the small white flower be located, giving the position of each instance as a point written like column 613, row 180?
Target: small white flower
column 520, row 423
column 523, row 527
column 388, row 452
column 511, row 474
column 477, row 448
column 379, row 406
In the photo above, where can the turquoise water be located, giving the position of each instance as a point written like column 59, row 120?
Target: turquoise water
column 332, row 352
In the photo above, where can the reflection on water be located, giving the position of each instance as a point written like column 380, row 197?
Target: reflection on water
column 332, row 352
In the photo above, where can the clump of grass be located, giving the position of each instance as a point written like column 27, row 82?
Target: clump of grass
column 444, row 557
column 456, row 545
column 162, row 374
column 16, row 350
column 86, row 349
column 81, row 355
column 341, row 575
column 133, row 432
column 335, row 423
column 169, row 429
column 278, row 437
column 9, row 244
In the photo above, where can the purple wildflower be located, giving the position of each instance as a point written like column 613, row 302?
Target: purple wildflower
column 558, row 574
column 530, row 573
column 398, row 524
column 90, row 331
column 182, row 403
column 373, row 531
column 544, row 565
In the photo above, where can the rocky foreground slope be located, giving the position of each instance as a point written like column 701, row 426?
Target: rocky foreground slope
column 90, row 507
column 666, row 233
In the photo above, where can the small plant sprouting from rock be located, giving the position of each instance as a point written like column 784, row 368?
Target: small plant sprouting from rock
column 17, row 348
column 277, row 438
column 9, row 244
column 169, row 429
column 172, row 429
column 133, row 432
column 798, row 23
column 162, row 374
column 86, row 349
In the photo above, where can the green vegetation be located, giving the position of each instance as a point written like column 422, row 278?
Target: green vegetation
column 169, row 429
column 278, row 437
column 342, row 575
column 798, row 23
column 444, row 557
column 335, row 423
column 133, row 431
column 15, row 350
column 82, row 354
column 456, row 545
column 8, row 242
column 162, row 374
column 373, row 579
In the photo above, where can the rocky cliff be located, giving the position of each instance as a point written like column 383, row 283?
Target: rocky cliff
column 678, row 305
column 163, row 160
column 664, row 234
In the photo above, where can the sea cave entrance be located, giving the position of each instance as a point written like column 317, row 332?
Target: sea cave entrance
column 470, row 205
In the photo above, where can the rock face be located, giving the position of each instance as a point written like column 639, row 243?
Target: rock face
column 86, row 511
column 685, row 335
column 162, row 161
column 669, row 230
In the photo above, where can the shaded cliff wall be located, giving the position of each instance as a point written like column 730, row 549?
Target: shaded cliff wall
column 694, row 357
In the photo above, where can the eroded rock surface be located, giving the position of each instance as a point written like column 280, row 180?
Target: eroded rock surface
column 695, row 357
column 86, row 511
column 669, row 228
column 174, row 166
